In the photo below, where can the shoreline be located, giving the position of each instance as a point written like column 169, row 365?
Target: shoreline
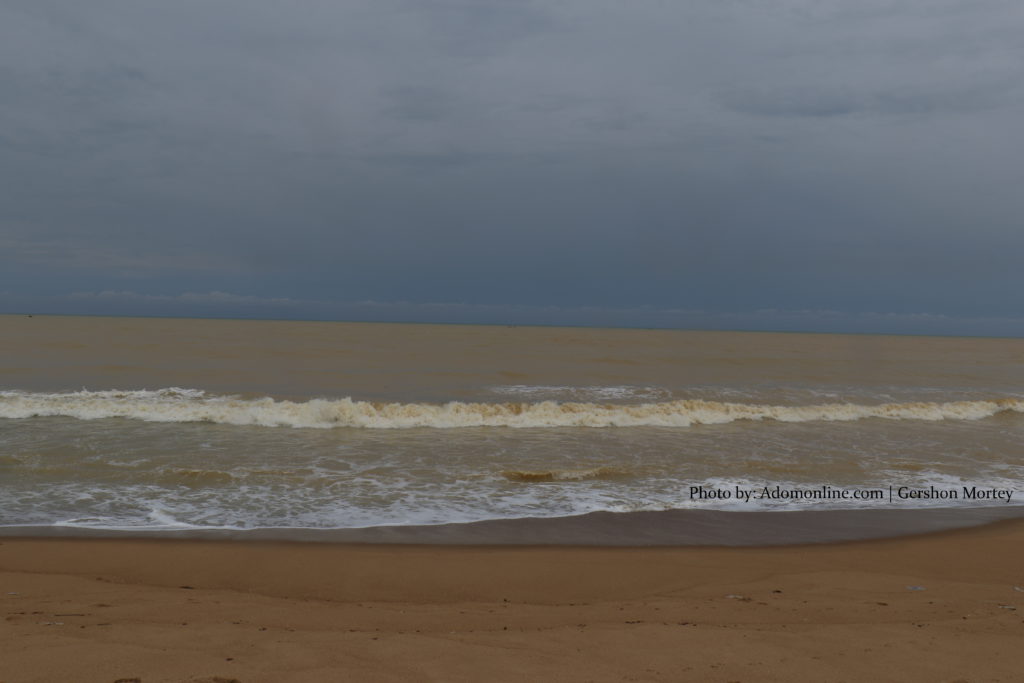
column 662, row 528
column 935, row 607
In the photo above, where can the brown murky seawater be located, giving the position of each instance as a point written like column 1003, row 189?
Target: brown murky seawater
column 172, row 423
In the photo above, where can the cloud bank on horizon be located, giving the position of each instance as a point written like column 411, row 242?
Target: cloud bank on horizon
column 720, row 163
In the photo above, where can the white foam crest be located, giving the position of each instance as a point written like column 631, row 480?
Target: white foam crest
column 184, row 405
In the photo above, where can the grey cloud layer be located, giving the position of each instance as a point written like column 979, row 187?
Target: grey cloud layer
column 721, row 156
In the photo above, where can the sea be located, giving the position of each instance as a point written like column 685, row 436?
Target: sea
column 150, row 426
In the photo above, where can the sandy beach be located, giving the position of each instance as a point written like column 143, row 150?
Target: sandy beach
column 937, row 607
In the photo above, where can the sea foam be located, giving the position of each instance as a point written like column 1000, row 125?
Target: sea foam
column 191, row 405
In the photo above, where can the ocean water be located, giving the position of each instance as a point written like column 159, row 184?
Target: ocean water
column 163, row 424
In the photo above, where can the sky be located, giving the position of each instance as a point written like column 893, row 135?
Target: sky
column 819, row 165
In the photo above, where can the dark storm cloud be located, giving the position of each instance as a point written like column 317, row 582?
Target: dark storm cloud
column 826, row 101
column 794, row 102
column 724, row 157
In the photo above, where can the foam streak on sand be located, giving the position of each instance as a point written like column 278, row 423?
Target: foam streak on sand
column 189, row 405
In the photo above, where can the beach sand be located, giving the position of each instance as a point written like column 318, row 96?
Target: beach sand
column 937, row 607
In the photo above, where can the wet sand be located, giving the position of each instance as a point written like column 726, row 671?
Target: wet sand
column 940, row 607
column 687, row 527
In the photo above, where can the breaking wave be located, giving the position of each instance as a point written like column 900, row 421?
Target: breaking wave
column 190, row 405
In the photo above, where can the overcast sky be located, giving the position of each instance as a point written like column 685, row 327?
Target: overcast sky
column 795, row 164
